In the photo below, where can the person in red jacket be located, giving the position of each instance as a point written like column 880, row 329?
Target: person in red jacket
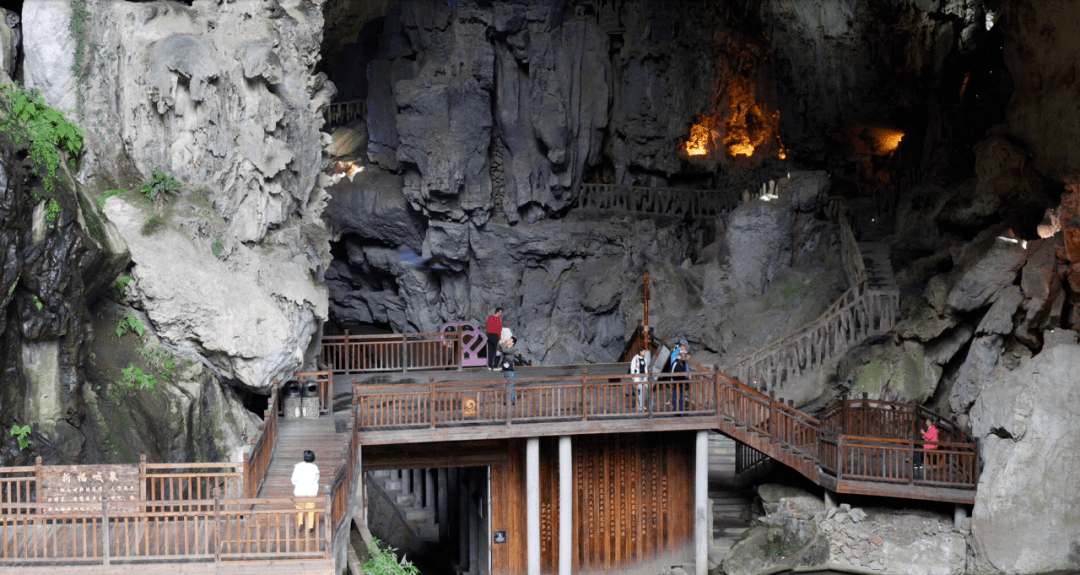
column 494, row 331
column 930, row 433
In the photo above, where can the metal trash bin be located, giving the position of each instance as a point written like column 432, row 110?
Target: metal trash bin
column 309, row 400
column 291, row 400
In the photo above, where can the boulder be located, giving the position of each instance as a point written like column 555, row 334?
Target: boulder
column 760, row 242
column 807, row 191
column 10, row 39
column 979, row 284
column 371, row 206
column 1027, row 505
column 983, row 361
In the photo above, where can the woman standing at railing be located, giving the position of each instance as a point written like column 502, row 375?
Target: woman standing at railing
column 930, row 437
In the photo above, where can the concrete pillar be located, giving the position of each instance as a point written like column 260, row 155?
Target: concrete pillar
column 702, row 529
column 532, row 504
column 830, row 500
column 960, row 513
column 463, row 519
column 429, row 490
column 443, row 517
column 453, row 515
column 566, row 505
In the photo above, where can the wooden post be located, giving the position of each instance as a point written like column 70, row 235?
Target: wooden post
column 327, row 527
column 839, row 458
column 863, row 430
column 911, row 460
column 772, row 417
column 431, row 400
column 584, row 399
column 37, row 477
column 348, row 354
column 217, row 530
column 106, row 554
column 716, row 389
column 651, row 401
column 142, row 476
column 461, row 350
column 404, row 352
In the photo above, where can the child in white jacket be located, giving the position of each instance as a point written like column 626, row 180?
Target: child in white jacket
column 305, row 480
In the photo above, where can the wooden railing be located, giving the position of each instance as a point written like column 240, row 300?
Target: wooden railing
column 395, row 352
column 211, row 530
column 341, row 490
column 257, row 461
column 19, row 484
column 175, row 485
column 747, row 458
column 658, row 201
column 779, row 431
column 325, row 382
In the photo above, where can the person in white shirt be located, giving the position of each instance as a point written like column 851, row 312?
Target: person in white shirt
column 639, row 365
column 305, row 480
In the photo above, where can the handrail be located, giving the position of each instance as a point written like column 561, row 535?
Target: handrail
column 211, row 529
column 390, row 352
column 658, row 201
column 257, row 461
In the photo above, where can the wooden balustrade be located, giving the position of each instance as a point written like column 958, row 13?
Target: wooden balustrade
column 893, row 460
column 257, row 461
column 393, row 352
column 19, row 484
column 213, row 529
column 658, row 201
column 341, row 491
column 747, row 458
column 176, row 484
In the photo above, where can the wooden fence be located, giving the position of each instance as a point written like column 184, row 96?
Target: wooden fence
column 658, row 201
column 394, row 352
column 211, row 530
column 338, row 113
column 257, row 461
column 775, row 429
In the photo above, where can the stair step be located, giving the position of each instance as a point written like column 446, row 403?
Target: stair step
column 417, row 515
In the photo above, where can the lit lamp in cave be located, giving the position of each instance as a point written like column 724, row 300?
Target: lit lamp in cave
column 743, row 126
column 344, row 170
column 700, row 141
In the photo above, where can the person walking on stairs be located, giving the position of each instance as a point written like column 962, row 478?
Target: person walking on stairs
column 305, row 480
column 494, row 332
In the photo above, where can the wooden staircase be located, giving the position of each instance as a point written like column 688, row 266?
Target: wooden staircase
column 294, row 436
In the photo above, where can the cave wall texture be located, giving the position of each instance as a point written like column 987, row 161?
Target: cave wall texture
column 482, row 120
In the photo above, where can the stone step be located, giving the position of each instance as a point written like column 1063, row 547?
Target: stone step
column 417, row 517
column 407, row 500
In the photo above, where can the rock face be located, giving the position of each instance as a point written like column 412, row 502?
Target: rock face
column 797, row 531
column 223, row 98
column 1026, row 511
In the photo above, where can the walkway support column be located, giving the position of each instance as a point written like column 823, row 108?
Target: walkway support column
column 566, row 505
column 960, row 513
column 532, row 505
column 702, row 529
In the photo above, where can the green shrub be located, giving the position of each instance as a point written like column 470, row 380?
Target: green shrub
column 385, row 562
column 26, row 118
column 52, row 211
column 38, row 304
column 130, row 323
column 135, row 377
column 159, row 187
column 22, row 433
column 217, row 247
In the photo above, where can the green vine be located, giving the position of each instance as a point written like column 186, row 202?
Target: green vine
column 37, row 303
column 26, row 118
column 121, row 284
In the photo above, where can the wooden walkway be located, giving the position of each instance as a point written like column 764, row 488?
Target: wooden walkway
column 861, row 446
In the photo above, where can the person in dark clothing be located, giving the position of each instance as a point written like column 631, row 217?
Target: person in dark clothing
column 494, row 330
column 681, row 382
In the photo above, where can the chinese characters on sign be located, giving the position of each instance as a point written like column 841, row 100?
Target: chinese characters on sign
column 82, row 488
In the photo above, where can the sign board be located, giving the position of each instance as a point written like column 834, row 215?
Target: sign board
column 500, row 537
column 82, row 488
column 468, row 407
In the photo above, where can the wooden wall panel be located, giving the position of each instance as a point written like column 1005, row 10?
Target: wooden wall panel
column 633, row 499
column 508, row 512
